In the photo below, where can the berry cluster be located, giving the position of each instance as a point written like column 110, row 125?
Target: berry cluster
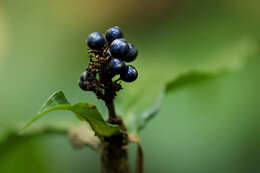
column 108, row 54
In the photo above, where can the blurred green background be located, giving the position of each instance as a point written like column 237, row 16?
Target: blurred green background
column 213, row 126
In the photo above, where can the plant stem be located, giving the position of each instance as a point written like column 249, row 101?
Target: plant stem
column 111, row 110
column 114, row 152
column 114, row 157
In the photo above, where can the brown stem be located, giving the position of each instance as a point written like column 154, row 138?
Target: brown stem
column 111, row 110
column 114, row 156
column 114, row 152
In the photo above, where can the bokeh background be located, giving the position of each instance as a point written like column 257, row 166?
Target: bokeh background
column 212, row 126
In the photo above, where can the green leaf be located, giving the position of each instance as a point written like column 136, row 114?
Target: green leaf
column 189, row 79
column 181, row 81
column 84, row 111
column 140, row 102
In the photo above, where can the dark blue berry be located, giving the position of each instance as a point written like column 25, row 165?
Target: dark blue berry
column 82, row 85
column 96, row 41
column 84, row 76
column 82, row 80
column 117, row 66
column 130, row 74
column 119, row 48
column 132, row 53
column 113, row 33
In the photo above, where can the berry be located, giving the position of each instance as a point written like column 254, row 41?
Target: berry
column 132, row 53
column 82, row 80
column 96, row 41
column 82, row 85
column 119, row 48
column 84, row 76
column 130, row 74
column 113, row 33
column 117, row 66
